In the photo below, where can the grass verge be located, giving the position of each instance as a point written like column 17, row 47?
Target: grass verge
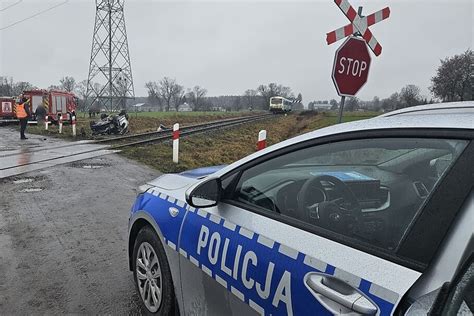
column 229, row 145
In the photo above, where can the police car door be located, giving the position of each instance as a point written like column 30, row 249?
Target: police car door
column 266, row 250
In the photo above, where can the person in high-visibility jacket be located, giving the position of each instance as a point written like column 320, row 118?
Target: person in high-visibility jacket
column 23, row 113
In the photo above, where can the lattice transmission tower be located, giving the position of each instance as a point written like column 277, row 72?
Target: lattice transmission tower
column 110, row 82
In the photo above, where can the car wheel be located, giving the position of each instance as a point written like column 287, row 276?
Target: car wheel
column 152, row 274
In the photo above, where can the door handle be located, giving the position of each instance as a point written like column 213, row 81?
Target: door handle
column 329, row 287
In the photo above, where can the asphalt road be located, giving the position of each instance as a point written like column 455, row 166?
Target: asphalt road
column 63, row 234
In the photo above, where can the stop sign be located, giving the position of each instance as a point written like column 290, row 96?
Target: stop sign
column 351, row 66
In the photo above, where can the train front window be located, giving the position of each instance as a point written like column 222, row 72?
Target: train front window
column 276, row 101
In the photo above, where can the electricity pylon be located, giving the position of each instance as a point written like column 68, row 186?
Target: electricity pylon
column 110, row 82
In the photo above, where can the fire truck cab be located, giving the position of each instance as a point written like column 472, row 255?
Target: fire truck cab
column 57, row 104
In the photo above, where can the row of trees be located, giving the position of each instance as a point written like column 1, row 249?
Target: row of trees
column 452, row 82
column 409, row 95
column 168, row 93
column 10, row 88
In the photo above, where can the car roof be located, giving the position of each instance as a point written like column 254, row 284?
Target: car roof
column 458, row 115
column 466, row 107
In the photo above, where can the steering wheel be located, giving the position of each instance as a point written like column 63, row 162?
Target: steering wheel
column 339, row 214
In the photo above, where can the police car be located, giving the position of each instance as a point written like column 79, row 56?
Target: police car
column 371, row 217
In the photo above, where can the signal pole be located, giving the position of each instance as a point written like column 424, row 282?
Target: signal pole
column 110, row 81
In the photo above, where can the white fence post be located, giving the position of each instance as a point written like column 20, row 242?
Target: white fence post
column 262, row 139
column 60, row 124
column 46, row 123
column 74, row 125
column 175, row 142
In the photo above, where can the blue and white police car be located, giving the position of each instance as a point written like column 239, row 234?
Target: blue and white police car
column 372, row 217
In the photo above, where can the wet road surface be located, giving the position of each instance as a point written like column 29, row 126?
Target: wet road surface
column 63, row 233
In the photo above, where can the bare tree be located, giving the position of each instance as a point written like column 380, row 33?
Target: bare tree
column 352, row 104
column 391, row 103
column 196, row 97
column 21, row 86
column 54, row 87
column 334, row 104
column 250, row 97
column 375, row 103
column 453, row 79
column 6, row 86
column 67, row 83
column 178, row 96
column 81, row 92
column 410, row 96
column 154, row 94
column 169, row 91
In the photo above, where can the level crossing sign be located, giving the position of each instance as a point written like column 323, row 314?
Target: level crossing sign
column 351, row 66
column 358, row 25
column 352, row 60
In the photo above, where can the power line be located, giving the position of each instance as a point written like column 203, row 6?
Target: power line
column 11, row 5
column 34, row 15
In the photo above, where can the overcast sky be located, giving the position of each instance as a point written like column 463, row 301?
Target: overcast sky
column 230, row 46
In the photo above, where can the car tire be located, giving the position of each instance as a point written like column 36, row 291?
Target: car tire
column 149, row 256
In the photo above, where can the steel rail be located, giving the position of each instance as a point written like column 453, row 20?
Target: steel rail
column 193, row 129
column 183, row 128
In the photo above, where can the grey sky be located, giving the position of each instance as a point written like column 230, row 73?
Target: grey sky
column 230, row 46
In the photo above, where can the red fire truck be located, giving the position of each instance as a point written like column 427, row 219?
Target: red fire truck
column 7, row 113
column 56, row 104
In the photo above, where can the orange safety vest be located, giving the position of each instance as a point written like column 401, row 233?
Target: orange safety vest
column 20, row 111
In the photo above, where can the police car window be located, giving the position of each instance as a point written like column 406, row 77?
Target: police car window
column 369, row 190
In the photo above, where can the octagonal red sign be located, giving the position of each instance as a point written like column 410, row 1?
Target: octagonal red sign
column 351, row 66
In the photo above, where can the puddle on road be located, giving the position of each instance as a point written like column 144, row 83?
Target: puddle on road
column 89, row 165
column 92, row 167
column 31, row 190
column 24, row 180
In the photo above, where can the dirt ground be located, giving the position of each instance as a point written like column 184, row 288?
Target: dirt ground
column 63, row 234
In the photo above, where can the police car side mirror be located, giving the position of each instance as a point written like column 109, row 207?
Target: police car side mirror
column 205, row 194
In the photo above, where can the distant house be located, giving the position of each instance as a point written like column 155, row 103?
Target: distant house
column 185, row 107
column 141, row 107
column 218, row 108
column 321, row 106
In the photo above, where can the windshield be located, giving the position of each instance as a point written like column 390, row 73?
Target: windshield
column 276, row 101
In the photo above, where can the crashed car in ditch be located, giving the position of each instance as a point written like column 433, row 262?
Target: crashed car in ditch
column 372, row 217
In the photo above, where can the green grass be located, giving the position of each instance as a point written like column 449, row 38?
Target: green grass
column 231, row 144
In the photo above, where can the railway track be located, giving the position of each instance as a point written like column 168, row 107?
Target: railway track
column 150, row 137
column 42, row 156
